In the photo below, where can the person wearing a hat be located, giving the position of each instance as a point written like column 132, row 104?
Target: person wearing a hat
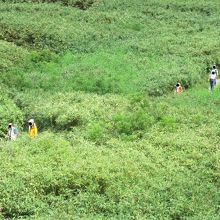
column 215, row 71
column 32, row 130
column 179, row 88
column 212, row 79
column 12, row 132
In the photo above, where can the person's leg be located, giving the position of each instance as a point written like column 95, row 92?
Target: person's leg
column 211, row 84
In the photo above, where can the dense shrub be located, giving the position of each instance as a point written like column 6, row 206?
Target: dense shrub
column 130, row 122
column 11, row 55
column 9, row 113
column 81, row 4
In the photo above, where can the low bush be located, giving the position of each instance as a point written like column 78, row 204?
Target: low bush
column 64, row 111
column 9, row 113
column 11, row 55
column 96, row 132
column 81, row 4
column 130, row 122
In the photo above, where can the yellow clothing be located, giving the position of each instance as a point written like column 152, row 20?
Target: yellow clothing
column 33, row 131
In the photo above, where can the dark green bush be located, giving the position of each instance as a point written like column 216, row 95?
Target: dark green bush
column 43, row 56
column 65, row 111
column 96, row 132
column 81, row 4
column 11, row 55
column 130, row 122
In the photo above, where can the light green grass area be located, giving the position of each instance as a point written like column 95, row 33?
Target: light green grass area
column 114, row 141
column 131, row 45
column 11, row 55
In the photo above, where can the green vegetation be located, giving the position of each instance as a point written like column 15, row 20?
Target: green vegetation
column 114, row 141
column 115, row 47
column 10, row 55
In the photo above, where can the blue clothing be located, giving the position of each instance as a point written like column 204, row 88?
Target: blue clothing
column 212, row 83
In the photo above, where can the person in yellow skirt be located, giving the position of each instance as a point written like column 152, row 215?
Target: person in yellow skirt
column 33, row 132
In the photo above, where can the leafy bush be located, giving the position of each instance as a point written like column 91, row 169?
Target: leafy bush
column 169, row 122
column 11, row 55
column 81, row 4
column 127, row 123
column 43, row 56
column 9, row 113
column 64, row 111
column 95, row 132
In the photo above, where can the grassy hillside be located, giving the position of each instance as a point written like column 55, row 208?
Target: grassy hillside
column 133, row 43
column 115, row 142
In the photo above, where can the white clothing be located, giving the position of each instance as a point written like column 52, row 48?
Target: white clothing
column 213, row 76
column 12, row 133
column 214, row 70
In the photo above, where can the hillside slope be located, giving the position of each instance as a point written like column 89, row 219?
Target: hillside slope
column 114, row 141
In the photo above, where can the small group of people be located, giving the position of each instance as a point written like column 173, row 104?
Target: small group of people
column 13, row 132
column 213, row 77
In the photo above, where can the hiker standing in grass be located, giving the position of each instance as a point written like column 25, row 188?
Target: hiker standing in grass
column 12, row 132
column 216, row 71
column 212, row 79
column 32, row 128
column 179, row 88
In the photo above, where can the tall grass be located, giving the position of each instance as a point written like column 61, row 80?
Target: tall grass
column 116, row 50
column 124, row 180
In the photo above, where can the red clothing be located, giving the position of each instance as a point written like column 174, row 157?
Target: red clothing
column 179, row 89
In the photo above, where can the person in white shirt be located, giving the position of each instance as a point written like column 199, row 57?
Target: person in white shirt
column 216, row 71
column 12, row 132
column 212, row 79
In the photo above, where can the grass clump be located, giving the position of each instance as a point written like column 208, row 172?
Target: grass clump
column 11, row 55
column 80, row 4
